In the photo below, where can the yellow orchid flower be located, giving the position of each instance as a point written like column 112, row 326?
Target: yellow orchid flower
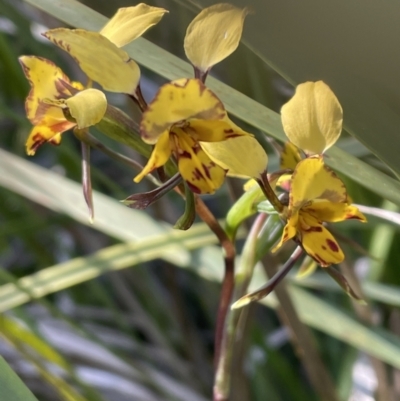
column 312, row 118
column 99, row 54
column 52, row 97
column 213, row 35
column 183, row 116
column 317, row 195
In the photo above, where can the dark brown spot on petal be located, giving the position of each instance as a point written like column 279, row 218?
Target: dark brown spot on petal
column 184, row 154
column 197, row 174
column 179, row 84
column 38, row 140
column 353, row 217
column 314, row 229
column 193, row 188
column 319, row 260
column 332, row 245
column 207, row 171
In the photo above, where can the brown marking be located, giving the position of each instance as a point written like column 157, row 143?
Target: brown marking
column 350, row 216
column 314, row 229
column 319, row 260
column 184, row 154
column 332, row 245
column 197, row 175
column 193, row 188
column 206, row 170
column 174, row 83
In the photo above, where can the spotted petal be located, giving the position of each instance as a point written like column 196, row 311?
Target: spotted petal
column 289, row 231
column 318, row 242
column 176, row 102
column 334, row 212
column 47, row 82
column 101, row 60
column 312, row 119
column 213, row 35
column 160, row 155
column 312, row 180
column 41, row 134
column 131, row 22
column 197, row 169
column 242, row 156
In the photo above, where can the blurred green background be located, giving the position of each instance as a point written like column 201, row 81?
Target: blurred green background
column 145, row 332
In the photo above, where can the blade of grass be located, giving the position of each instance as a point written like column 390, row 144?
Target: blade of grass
column 12, row 388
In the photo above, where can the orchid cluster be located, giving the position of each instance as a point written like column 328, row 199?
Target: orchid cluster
column 188, row 127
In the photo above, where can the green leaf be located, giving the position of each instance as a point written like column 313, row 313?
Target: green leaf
column 12, row 388
column 243, row 208
column 248, row 110
column 12, row 328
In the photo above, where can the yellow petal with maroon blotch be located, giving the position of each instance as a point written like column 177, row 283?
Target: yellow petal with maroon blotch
column 160, row 155
column 100, row 59
column 318, row 242
column 87, row 107
column 131, row 22
column 213, row 130
column 312, row 118
column 47, row 82
column 334, row 212
column 40, row 135
column 242, row 156
column 201, row 174
column 289, row 231
column 312, row 180
column 175, row 103
column 214, row 34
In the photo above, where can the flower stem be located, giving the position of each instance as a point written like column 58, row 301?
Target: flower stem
column 198, row 74
column 139, row 99
column 229, row 251
column 86, row 179
column 269, row 192
column 222, row 382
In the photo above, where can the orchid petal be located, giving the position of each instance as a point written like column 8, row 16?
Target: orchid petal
column 46, row 80
column 87, row 107
column 312, row 119
column 176, row 102
column 334, row 212
column 290, row 156
column 214, row 34
column 312, row 180
column 213, row 130
column 318, row 242
column 131, row 22
column 41, row 134
column 242, row 156
column 100, row 59
column 197, row 169
column 159, row 156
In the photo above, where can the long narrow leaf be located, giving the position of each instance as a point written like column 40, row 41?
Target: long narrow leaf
column 12, row 388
